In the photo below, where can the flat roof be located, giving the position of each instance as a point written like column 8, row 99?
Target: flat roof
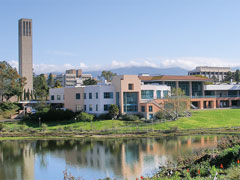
column 222, row 87
column 173, row 78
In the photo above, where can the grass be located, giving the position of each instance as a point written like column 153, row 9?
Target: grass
column 200, row 119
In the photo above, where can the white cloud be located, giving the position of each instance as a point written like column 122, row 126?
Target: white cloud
column 187, row 63
column 60, row 53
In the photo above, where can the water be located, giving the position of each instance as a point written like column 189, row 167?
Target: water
column 93, row 159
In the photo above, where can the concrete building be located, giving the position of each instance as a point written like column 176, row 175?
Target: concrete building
column 219, row 73
column 98, row 98
column 77, row 72
column 149, row 94
column 25, row 52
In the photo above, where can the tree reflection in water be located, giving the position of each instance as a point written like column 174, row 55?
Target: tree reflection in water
column 119, row 158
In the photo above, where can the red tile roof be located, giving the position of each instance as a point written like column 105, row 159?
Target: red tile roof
column 173, row 78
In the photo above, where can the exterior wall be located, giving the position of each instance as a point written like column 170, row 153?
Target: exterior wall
column 101, row 101
column 56, row 92
column 121, row 85
column 70, row 101
column 25, row 52
column 155, row 88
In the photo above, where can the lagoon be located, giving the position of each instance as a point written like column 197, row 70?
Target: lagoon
column 91, row 159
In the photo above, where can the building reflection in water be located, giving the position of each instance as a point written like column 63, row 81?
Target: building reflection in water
column 121, row 158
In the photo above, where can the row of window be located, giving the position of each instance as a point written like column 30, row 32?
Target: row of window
column 59, row 98
column 149, row 94
column 106, row 95
column 90, row 107
column 150, row 108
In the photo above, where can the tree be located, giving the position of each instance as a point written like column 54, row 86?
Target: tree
column 50, row 80
column 89, row 82
column 57, row 84
column 229, row 76
column 237, row 76
column 40, row 87
column 107, row 75
column 113, row 111
column 11, row 83
column 177, row 104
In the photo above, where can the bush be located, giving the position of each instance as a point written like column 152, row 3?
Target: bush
column 44, row 127
column 8, row 106
column 129, row 117
column 51, row 115
column 105, row 116
column 1, row 126
column 42, row 107
column 83, row 116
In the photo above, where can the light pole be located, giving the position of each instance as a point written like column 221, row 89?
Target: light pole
column 39, row 120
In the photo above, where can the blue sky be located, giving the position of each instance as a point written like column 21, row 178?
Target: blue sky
column 103, row 34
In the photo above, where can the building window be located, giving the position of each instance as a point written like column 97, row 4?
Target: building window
column 90, row 107
column 117, row 98
column 130, row 101
column 158, row 94
column 106, row 107
column 108, row 95
column 197, row 88
column 150, row 109
column 78, row 108
column 142, row 108
column 52, row 97
column 85, row 107
column 96, row 95
column 150, row 116
column 90, row 95
column 184, row 87
column 85, row 96
column 58, row 97
column 165, row 93
column 96, row 107
column 130, row 86
column 147, row 94
column 78, row 96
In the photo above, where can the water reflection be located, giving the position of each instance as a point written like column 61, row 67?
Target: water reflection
column 92, row 159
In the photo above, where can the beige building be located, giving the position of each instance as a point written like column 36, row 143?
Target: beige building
column 25, row 52
column 218, row 73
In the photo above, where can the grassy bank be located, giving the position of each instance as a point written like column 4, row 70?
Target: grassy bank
column 204, row 121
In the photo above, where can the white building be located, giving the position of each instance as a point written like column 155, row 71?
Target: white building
column 56, row 95
column 98, row 98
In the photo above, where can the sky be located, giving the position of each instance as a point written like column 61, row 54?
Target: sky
column 108, row 34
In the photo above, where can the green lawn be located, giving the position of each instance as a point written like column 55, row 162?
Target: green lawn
column 199, row 119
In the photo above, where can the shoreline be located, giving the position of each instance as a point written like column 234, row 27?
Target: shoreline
column 98, row 135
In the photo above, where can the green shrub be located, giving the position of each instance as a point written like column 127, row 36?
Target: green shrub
column 129, row 117
column 44, row 127
column 105, row 116
column 2, row 126
column 83, row 116
column 8, row 106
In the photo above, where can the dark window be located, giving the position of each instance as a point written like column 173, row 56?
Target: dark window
column 158, row 94
column 85, row 96
column 143, row 108
column 106, row 107
column 85, row 107
column 90, row 95
column 96, row 95
column 78, row 96
column 150, row 108
column 108, row 95
column 90, row 107
column 130, row 101
column 96, row 107
column 58, row 97
column 147, row 94
column 130, row 86
column 52, row 97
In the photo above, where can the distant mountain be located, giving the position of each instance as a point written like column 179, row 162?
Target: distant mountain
column 140, row 70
